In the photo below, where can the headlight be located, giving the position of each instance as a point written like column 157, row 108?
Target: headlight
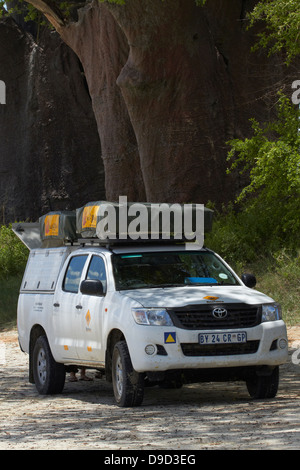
column 271, row 312
column 152, row 316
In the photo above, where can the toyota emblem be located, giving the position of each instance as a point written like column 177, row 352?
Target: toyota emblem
column 219, row 313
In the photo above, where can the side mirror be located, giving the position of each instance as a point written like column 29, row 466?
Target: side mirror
column 249, row 280
column 92, row 287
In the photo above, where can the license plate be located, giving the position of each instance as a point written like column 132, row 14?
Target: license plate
column 223, row 338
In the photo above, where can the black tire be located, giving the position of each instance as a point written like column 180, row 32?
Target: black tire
column 128, row 385
column 264, row 386
column 49, row 376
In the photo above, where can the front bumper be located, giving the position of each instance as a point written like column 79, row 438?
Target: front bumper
column 176, row 348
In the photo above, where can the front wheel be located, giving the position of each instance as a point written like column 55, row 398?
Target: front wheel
column 128, row 385
column 49, row 375
column 264, row 386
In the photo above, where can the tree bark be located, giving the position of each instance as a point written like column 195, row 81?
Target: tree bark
column 103, row 50
column 175, row 73
column 48, row 129
column 170, row 83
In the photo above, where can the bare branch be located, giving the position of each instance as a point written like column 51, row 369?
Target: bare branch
column 50, row 10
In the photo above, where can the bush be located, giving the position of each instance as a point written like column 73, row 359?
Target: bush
column 9, row 293
column 259, row 233
column 270, row 203
column 13, row 254
column 265, row 217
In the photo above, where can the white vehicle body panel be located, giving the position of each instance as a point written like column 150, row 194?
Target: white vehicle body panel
column 78, row 326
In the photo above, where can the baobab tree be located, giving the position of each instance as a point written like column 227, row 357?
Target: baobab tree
column 171, row 82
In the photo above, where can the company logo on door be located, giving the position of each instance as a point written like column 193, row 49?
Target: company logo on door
column 88, row 321
column 2, row 92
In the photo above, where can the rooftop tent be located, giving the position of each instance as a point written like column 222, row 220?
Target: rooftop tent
column 87, row 218
column 54, row 229
column 58, row 228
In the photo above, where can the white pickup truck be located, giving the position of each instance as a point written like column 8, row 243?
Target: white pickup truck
column 146, row 314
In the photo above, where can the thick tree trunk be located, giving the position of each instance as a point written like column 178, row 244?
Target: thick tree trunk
column 103, row 50
column 170, row 83
column 176, row 89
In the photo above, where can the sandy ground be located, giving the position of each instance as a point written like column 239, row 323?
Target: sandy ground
column 197, row 417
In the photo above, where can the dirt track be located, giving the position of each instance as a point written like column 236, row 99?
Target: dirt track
column 197, row 417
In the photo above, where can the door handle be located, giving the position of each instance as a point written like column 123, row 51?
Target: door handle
column 56, row 304
column 79, row 307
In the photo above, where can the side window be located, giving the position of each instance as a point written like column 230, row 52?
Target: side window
column 97, row 270
column 73, row 274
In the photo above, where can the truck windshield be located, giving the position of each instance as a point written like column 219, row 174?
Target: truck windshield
column 170, row 269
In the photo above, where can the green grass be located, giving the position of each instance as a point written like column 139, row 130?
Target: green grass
column 9, row 292
column 13, row 257
column 278, row 277
column 280, row 280
column 243, row 242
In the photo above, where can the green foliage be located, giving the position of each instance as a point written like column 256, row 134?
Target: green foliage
column 278, row 277
column 239, row 237
column 123, row 2
column 117, row 2
column 264, row 220
column 282, row 20
column 31, row 14
column 13, row 258
column 282, row 282
column 271, row 201
column 13, row 254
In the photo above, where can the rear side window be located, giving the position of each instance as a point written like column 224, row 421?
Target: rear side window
column 73, row 274
column 97, row 270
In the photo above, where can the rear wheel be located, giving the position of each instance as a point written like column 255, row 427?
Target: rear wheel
column 264, row 386
column 128, row 384
column 49, row 376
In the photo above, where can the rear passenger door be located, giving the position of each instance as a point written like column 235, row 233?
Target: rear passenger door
column 66, row 309
column 90, row 345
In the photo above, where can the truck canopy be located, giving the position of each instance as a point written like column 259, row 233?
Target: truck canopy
column 36, row 277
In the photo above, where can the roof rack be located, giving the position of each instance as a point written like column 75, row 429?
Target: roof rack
column 80, row 227
column 117, row 243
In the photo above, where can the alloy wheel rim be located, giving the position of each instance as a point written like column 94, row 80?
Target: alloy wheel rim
column 119, row 376
column 42, row 366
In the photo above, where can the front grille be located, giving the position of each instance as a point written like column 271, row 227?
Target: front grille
column 200, row 317
column 207, row 350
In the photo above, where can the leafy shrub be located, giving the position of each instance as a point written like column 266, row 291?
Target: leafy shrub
column 13, row 254
column 266, row 215
column 272, row 155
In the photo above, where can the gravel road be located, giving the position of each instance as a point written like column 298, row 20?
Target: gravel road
column 196, row 417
